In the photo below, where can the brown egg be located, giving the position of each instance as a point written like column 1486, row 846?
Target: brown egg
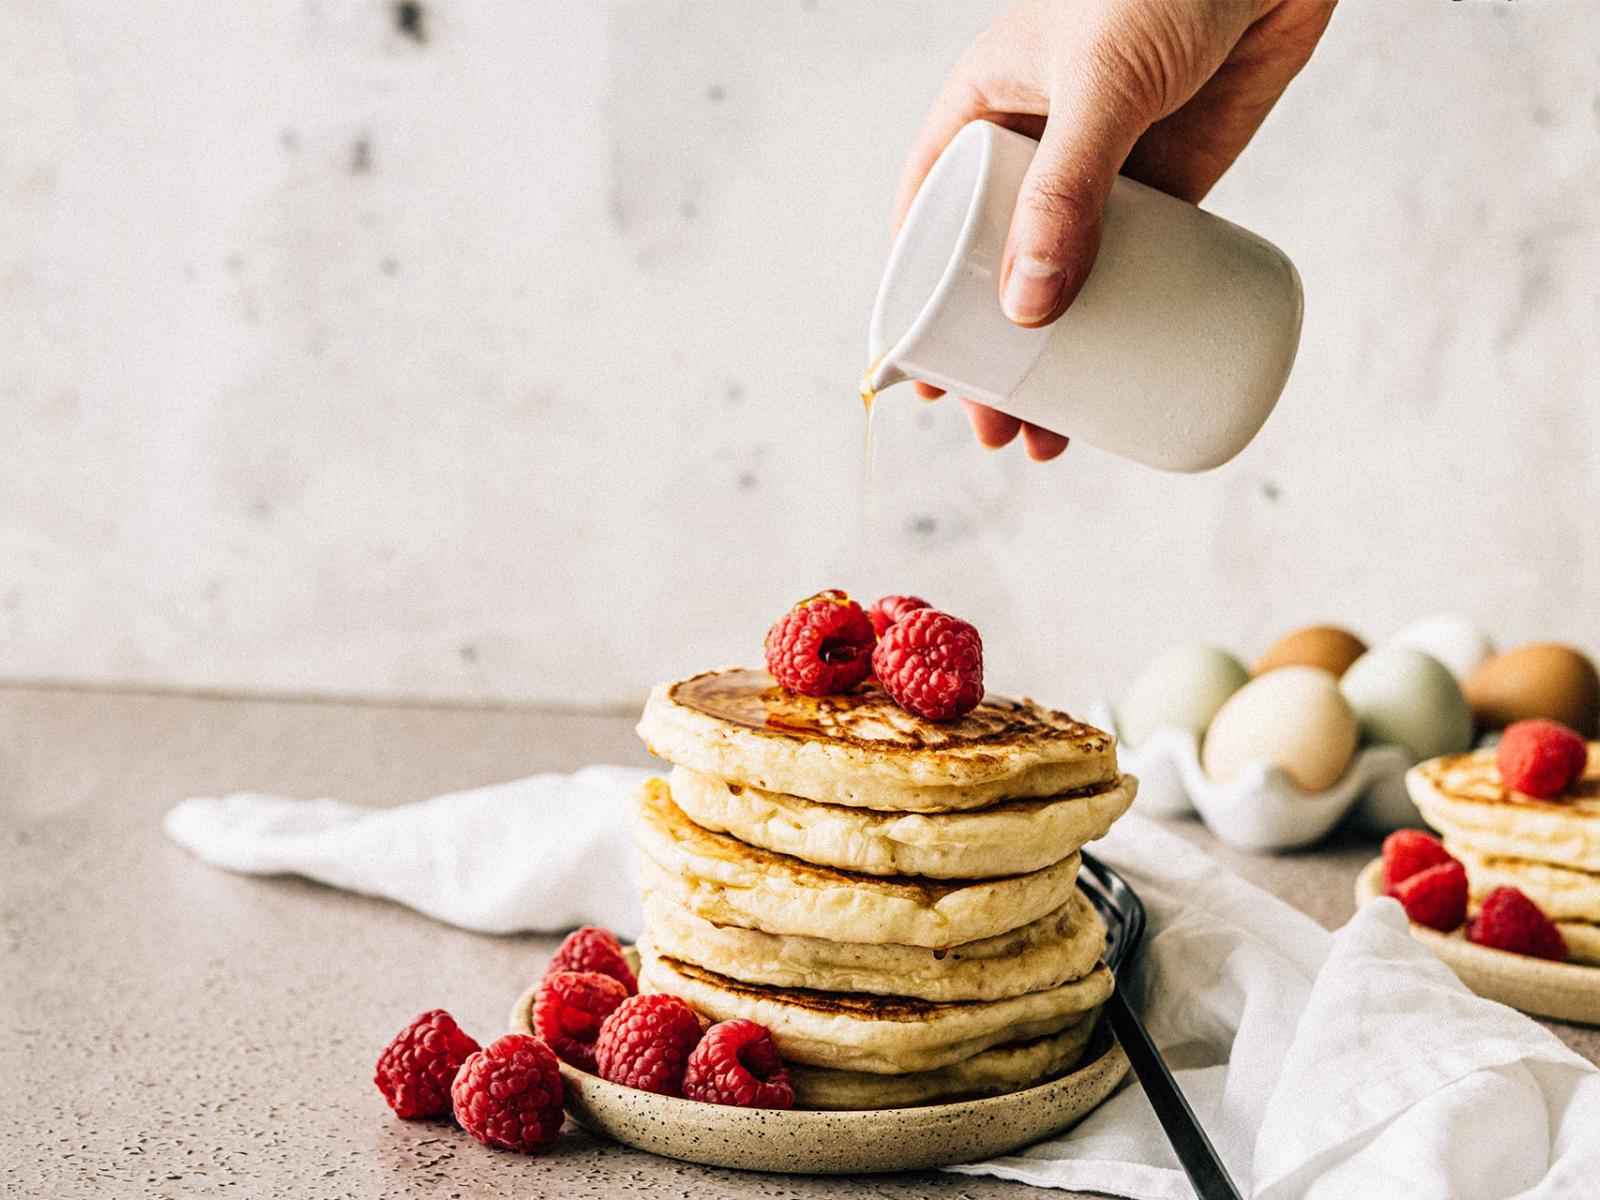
column 1326, row 646
column 1540, row 680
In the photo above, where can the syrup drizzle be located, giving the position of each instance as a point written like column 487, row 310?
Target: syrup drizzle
column 868, row 453
column 865, row 716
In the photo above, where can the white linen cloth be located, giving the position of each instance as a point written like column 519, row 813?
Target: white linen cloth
column 1323, row 1065
column 542, row 854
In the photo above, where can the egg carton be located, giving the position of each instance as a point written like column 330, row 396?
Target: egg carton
column 1261, row 808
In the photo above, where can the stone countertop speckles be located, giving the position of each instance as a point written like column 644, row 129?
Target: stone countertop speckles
column 183, row 1031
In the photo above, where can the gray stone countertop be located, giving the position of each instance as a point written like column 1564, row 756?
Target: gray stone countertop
column 175, row 1030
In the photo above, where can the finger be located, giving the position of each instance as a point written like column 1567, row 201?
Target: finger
column 1055, row 229
column 1041, row 444
column 926, row 391
column 993, row 429
column 993, row 80
column 922, row 158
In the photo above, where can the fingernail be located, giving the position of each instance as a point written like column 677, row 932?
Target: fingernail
column 1032, row 289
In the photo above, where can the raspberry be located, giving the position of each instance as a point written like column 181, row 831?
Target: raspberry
column 890, row 609
column 1541, row 758
column 593, row 949
column 509, row 1094
column 1408, row 851
column 568, row 1010
column 1510, row 921
column 646, row 1041
column 931, row 664
column 1435, row 897
column 737, row 1063
column 415, row 1070
column 821, row 646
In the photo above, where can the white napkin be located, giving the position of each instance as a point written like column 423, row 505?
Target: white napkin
column 1326, row 1066
column 1323, row 1065
column 539, row 855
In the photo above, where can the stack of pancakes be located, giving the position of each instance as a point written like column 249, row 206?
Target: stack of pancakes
column 1550, row 849
column 895, row 899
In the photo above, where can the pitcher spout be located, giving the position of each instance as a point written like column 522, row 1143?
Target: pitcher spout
column 880, row 375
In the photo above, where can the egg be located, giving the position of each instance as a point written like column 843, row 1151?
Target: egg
column 1294, row 718
column 1539, row 680
column 1326, row 646
column 1181, row 689
column 1403, row 697
column 1453, row 640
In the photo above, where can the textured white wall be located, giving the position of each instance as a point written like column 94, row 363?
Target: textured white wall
column 517, row 359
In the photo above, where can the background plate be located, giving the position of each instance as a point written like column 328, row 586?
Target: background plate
column 1560, row 991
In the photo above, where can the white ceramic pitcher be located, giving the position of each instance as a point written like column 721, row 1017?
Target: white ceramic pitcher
column 1172, row 355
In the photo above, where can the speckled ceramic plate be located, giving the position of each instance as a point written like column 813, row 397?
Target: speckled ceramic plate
column 1560, row 991
column 838, row 1143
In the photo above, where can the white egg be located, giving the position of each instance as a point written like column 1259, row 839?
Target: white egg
column 1453, row 640
column 1293, row 718
column 1404, row 697
column 1181, row 689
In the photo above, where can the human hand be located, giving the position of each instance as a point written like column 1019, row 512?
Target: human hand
column 1167, row 92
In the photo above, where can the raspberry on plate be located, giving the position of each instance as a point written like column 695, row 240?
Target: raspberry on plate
column 509, row 1094
column 1408, row 851
column 569, row 1009
column 1508, row 920
column 1435, row 897
column 415, row 1070
column 890, row 609
column 931, row 664
column 822, row 646
column 646, row 1042
column 1541, row 758
column 593, row 949
column 737, row 1063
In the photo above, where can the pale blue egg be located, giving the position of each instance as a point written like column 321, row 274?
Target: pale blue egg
column 1181, row 689
column 1403, row 697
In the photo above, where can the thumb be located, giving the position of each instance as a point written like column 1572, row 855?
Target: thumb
column 1055, row 230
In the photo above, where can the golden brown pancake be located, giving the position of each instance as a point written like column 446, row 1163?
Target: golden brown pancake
column 991, row 1072
column 1463, row 796
column 1012, row 837
column 722, row 880
column 888, row 1035
column 863, row 750
column 1058, row 947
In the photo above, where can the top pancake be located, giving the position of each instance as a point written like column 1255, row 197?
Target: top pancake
column 1463, row 797
column 863, row 750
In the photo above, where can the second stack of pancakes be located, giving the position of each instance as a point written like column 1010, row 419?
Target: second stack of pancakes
column 895, row 899
column 1548, row 849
